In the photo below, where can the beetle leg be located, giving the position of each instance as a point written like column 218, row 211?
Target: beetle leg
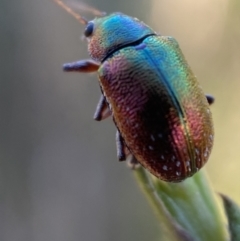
column 85, row 66
column 121, row 148
column 123, row 152
column 102, row 111
column 210, row 99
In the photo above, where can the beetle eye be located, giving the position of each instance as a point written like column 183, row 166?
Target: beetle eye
column 89, row 29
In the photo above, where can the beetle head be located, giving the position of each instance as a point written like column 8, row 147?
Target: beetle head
column 109, row 33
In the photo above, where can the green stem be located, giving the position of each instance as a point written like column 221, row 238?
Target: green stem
column 190, row 205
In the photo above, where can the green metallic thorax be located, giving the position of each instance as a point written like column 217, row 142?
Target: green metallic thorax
column 113, row 32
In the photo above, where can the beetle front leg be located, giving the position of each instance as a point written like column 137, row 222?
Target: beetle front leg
column 102, row 111
column 84, row 66
column 210, row 99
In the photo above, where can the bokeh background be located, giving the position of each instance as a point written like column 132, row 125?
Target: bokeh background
column 59, row 176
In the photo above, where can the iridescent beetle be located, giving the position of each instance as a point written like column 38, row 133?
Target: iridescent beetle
column 160, row 111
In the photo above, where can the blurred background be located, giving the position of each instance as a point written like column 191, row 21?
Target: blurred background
column 59, row 175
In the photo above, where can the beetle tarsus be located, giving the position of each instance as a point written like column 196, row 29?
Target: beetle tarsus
column 210, row 99
column 85, row 66
column 133, row 162
column 102, row 111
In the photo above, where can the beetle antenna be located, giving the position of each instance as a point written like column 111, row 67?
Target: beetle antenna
column 80, row 19
column 84, row 7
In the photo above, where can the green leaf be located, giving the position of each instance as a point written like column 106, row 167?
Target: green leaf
column 232, row 211
column 170, row 230
column 188, row 210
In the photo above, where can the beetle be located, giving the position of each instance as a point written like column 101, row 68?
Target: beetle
column 160, row 111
